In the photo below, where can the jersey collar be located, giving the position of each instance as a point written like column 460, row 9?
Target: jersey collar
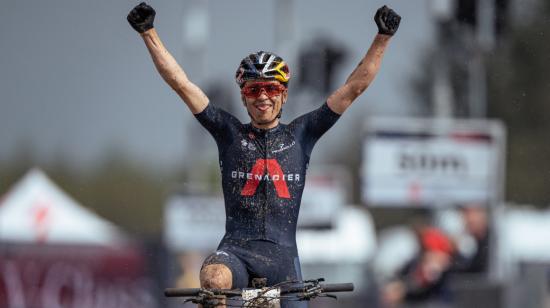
column 264, row 131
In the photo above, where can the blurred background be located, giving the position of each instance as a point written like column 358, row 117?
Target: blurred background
column 430, row 192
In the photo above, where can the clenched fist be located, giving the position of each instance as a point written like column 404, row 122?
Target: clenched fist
column 387, row 20
column 141, row 17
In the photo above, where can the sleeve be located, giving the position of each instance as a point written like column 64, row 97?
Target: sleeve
column 311, row 126
column 217, row 121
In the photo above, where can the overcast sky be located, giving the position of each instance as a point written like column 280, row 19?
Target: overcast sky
column 77, row 81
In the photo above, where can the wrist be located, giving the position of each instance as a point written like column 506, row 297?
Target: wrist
column 148, row 32
column 382, row 38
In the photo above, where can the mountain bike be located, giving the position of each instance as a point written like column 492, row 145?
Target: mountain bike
column 260, row 296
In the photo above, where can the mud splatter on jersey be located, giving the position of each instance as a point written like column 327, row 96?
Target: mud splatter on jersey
column 264, row 171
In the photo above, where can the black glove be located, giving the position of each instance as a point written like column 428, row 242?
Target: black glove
column 141, row 17
column 387, row 20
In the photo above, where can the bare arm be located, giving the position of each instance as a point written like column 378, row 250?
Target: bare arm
column 359, row 80
column 173, row 74
column 141, row 18
column 361, row 77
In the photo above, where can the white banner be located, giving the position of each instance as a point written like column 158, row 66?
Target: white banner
column 325, row 194
column 194, row 222
column 424, row 162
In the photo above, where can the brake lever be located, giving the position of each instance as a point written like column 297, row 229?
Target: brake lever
column 315, row 281
column 194, row 300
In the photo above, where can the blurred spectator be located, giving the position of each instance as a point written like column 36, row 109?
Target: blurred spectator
column 476, row 223
column 422, row 282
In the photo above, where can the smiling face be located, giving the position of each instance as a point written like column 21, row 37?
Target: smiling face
column 263, row 100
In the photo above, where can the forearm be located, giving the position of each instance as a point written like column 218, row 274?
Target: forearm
column 173, row 74
column 366, row 70
column 360, row 79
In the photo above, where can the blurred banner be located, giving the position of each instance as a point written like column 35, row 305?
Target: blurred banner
column 193, row 222
column 73, row 276
column 56, row 253
column 432, row 162
column 326, row 192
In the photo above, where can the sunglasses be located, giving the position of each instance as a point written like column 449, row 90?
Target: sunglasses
column 254, row 90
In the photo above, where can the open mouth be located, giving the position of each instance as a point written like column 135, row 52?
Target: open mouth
column 262, row 107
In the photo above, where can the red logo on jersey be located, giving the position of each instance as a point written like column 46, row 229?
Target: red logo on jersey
column 274, row 172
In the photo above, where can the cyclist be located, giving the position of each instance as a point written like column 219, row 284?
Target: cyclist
column 263, row 163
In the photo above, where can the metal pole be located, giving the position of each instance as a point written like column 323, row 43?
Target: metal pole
column 477, row 84
column 195, row 23
column 284, row 26
column 442, row 92
column 486, row 24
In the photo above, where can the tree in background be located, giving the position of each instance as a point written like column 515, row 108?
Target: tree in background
column 519, row 94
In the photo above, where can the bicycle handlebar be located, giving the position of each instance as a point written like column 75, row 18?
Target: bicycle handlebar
column 331, row 287
column 175, row 292
column 337, row 287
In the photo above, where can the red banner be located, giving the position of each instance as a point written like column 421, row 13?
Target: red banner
column 68, row 276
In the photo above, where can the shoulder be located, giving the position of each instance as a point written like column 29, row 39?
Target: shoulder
column 322, row 113
column 214, row 112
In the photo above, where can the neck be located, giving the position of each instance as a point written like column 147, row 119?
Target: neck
column 268, row 125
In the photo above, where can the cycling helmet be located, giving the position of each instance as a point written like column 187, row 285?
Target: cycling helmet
column 262, row 65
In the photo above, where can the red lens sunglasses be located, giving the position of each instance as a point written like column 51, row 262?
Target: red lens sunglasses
column 254, row 90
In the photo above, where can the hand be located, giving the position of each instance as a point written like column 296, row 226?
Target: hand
column 393, row 294
column 141, row 17
column 387, row 20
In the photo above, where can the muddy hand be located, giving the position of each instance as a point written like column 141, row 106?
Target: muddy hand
column 141, row 17
column 387, row 20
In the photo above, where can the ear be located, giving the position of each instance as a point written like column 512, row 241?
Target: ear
column 284, row 96
column 243, row 100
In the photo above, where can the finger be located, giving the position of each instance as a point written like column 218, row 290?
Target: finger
column 145, row 7
column 136, row 16
column 130, row 16
column 148, row 10
column 377, row 15
column 145, row 11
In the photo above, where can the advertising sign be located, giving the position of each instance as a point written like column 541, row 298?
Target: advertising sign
column 194, row 222
column 432, row 162
column 326, row 192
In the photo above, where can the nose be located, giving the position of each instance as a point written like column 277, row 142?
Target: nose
column 263, row 94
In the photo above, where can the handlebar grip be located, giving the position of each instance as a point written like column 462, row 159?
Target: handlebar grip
column 337, row 287
column 174, row 292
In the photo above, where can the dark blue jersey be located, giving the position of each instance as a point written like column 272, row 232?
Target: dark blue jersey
column 264, row 172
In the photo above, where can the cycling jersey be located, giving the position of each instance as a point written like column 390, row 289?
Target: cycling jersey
column 263, row 172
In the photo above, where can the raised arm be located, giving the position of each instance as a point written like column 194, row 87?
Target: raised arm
column 141, row 19
column 359, row 80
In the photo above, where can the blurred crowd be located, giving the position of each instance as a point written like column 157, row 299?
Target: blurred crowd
column 425, row 281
